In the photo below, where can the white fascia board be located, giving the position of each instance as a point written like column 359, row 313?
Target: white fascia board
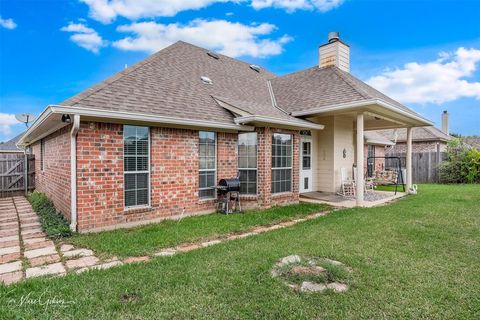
column 379, row 142
column 293, row 123
column 120, row 115
column 363, row 103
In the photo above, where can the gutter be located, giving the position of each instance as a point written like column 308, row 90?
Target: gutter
column 293, row 123
column 73, row 172
column 127, row 116
column 357, row 104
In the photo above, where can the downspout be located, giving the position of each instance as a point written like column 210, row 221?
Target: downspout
column 73, row 172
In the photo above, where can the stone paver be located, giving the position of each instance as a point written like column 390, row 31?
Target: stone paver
column 38, row 245
column 49, row 269
column 40, row 252
column 38, row 261
column 10, row 267
column 102, row 266
column 8, row 250
column 78, row 253
column 81, row 262
column 166, row 252
column 11, row 277
column 66, row 247
column 136, row 259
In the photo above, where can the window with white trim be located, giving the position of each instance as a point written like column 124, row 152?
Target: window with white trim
column 247, row 162
column 281, row 162
column 136, row 164
column 208, row 164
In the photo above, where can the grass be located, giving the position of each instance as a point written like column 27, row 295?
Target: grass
column 416, row 258
column 150, row 238
column 389, row 188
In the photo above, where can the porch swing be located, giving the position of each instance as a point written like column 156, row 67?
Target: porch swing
column 389, row 177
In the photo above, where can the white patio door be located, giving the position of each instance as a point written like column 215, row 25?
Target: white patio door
column 306, row 164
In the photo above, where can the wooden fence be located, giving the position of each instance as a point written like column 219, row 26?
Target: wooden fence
column 16, row 176
column 424, row 165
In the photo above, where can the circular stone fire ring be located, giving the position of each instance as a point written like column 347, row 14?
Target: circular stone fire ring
column 312, row 274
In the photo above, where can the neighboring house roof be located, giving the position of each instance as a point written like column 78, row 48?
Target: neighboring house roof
column 419, row 134
column 316, row 87
column 375, row 138
column 474, row 142
column 11, row 145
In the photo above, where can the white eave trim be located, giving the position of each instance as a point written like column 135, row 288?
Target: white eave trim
column 294, row 123
column 379, row 142
column 129, row 116
column 363, row 103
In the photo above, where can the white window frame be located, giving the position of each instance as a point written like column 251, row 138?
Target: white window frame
column 208, row 170
column 249, row 169
column 137, row 172
column 283, row 168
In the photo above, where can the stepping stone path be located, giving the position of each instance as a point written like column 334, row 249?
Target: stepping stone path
column 21, row 237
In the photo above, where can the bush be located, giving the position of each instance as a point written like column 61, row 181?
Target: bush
column 462, row 164
column 54, row 224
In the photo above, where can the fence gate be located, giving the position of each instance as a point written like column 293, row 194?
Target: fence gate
column 17, row 174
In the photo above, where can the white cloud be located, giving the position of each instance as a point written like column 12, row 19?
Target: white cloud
column 7, row 23
column 6, row 122
column 438, row 81
column 232, row 39
column 108, row 10
column 84, row 36
column 293, row 5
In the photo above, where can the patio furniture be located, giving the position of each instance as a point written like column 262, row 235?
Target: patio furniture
column 369, row 183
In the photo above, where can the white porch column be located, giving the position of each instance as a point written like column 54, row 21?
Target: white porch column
column 409, row 158
column 359, row 180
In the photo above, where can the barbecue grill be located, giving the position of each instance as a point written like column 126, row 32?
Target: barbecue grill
column 229, row 195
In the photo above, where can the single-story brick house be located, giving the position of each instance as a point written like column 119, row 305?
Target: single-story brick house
column 153, row 140
column 424, row 139
column 10, row 149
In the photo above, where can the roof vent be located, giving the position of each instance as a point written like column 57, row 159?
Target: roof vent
column 213, row 55
column 255, row 67
column 206, row 80
column 333, row 36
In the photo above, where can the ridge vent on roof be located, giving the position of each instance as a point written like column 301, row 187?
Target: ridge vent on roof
column 213, row 55
column 255, row 67
column 206, row 80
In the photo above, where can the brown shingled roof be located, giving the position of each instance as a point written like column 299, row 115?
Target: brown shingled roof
column 168, row 84
column 418, row 134
column 321, row 87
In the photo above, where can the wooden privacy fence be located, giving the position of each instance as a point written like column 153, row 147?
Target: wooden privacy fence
column 16, row 176
column 424, row 165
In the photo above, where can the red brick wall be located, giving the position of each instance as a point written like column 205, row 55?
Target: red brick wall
column 401, row 147
column 174, row 174
column 54, row 180
column 379, row 163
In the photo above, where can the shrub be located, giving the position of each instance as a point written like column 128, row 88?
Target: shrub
column 462, row 164
column 54, row 224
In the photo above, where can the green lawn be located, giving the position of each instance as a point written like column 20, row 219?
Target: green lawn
column 150, row 238
column 416, row 258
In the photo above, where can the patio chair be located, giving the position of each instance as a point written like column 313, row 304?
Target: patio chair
column 348, row 185
column 369, row 183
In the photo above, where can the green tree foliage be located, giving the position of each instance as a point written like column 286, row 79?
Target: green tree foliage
column 462, row 164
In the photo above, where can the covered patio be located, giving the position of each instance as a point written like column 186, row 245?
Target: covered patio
column 341, row 149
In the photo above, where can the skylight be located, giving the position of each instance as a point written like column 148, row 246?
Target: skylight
column 255, row 67
column 206, row 80
column 213, row 55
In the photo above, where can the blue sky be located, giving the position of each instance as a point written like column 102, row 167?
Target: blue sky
column 425, row 54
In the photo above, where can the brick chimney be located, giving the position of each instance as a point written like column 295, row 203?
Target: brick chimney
column 445, row 121
column 334, row 53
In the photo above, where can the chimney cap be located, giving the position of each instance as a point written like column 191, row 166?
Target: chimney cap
column 333, row 36
column 445, row 111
